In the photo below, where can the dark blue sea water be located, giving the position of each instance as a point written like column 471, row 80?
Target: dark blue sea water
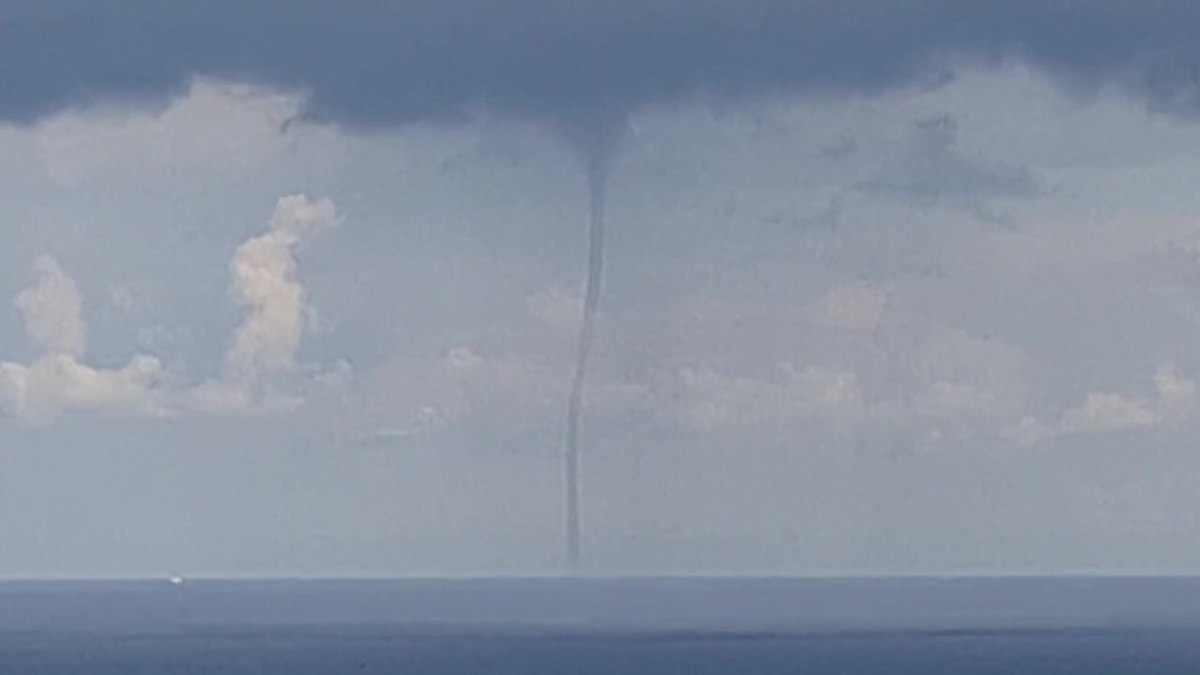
column 611, row 627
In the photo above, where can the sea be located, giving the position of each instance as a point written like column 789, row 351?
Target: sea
column 605, row 626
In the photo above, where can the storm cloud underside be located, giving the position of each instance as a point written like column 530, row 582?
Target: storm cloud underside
column 379, row 64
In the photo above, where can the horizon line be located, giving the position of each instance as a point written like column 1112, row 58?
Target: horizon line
column 632, row 577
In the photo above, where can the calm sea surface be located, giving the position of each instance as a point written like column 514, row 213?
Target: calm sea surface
column 641, row 626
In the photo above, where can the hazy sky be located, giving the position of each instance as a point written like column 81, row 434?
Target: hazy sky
column 889, row 289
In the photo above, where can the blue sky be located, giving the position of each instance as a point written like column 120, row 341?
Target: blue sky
column 889, row 289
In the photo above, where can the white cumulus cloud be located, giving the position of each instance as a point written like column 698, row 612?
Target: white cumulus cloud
column 265, row 284
column 52, row 310
column 264, row 346
column 58, row 381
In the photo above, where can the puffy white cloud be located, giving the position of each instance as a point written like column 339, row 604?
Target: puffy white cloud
column 1102, row 412
column 265, row 344
column 260, row 372
column 706, row 399
column 1109, row 412
column 52, row 310
column 264, row 282
column 58, row 381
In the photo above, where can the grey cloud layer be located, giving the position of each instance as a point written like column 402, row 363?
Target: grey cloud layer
column 379, row 63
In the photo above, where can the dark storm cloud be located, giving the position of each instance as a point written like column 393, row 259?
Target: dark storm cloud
column 377, row 63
